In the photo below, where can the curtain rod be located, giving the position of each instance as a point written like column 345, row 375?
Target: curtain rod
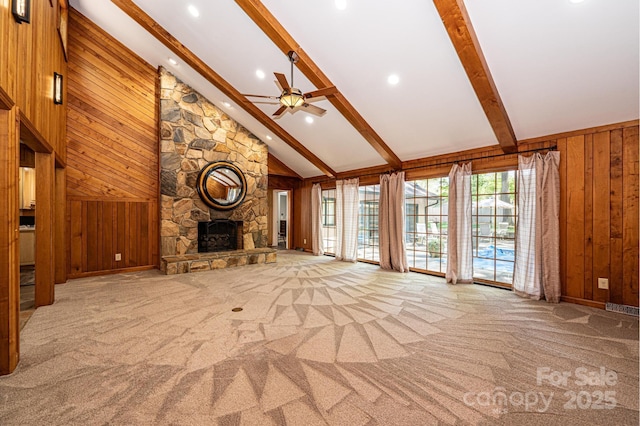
column 444, row 163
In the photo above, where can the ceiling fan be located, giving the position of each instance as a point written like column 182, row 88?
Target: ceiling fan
column 291, row 98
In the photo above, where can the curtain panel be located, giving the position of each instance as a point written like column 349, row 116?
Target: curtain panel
column 347, row 204
column 537, row 267
column 459, row 243
column 317, row 239
column 391, row 223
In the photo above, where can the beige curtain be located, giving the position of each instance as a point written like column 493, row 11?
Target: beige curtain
column 537, row 267
column 317, row 240
column 393, row 252
column 347, row 204
column 459, row 247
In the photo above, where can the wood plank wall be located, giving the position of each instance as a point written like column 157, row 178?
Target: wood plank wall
column 599, row 216
column 598, row 206
column 29, row 55
column 112, row 164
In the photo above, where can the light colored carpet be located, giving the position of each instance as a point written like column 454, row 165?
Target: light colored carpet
column 318, row 342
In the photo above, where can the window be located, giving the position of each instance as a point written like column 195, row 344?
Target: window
column 368, row 243
column 328, row 211
column 329, row 220
column 426, row 223
column 493, row 226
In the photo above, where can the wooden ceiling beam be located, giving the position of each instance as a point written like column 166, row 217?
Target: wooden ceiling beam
column 162, row 35
column 285, row 42
column 458, row 25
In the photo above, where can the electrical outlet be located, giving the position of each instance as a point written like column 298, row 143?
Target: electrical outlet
column 603, row 283
column 305, row 241
column 118, row 257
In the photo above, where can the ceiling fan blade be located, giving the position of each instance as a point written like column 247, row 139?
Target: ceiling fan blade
column 310, row 97
column 260, row 96
column 282, row 80
column 280, row 112
column 266, row 103
column 278, row 86
column 314, row 110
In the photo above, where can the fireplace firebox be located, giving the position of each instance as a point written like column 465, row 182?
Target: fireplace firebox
column 219, row 235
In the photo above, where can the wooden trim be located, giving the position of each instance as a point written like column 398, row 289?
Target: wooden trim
column 60, row 229
column 163, row 36
column 285, row 42
column 45, row 211
column 279, row 164
column 60, row 162
column 584, row 302
column 31, row 137
column 458, row 25
column 9, row 242
column 5, row 100
column 597, row 129
column 112, row 271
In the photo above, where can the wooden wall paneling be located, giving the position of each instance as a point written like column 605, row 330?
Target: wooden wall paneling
column 615, row 217
column 9, row 241
column 8, row 29
column 600, row 214
column 112, row 163
column 575, row 217
column 75, row 245
column 630, row 153
column 588, row 217
column 562, row 148
column 112, row 123
column 45, row 190
column 144, row 254
column 92, row 235
column 60, row 229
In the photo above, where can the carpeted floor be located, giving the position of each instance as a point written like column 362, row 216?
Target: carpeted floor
column 317, row 342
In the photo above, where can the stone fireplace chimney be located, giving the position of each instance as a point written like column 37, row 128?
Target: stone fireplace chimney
column 195, row 132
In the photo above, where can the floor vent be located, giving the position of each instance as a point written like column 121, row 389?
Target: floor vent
column 623, row 309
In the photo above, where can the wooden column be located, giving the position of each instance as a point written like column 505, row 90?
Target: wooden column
column 45, row 184
column 9, row 248
column 60, row 231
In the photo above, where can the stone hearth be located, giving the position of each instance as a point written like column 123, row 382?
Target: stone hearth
column 198, row 262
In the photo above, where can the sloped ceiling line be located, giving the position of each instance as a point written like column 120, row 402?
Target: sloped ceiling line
column 285, row 42
column 458, row 25
column 155, row 29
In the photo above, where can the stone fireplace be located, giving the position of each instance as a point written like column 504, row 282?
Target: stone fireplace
column 194, row 132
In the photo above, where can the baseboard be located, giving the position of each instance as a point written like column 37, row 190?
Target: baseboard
column 111, row 271
column 584, row 302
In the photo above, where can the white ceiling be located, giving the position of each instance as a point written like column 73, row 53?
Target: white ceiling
column 557, row 66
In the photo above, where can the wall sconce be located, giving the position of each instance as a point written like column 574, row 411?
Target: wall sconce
column 57, row 88
column 21, row 10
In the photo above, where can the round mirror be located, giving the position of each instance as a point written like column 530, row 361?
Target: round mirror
column 221, row 185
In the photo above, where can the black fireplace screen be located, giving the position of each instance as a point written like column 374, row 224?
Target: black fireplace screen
column 217, row 235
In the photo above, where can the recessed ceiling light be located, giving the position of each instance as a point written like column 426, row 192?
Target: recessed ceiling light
column 341, row 4
column 260, row 74
column 393, row 79
column 193, row 11
column 227, row 104
column 308, row 119
column 173, row 61
column 269, row 138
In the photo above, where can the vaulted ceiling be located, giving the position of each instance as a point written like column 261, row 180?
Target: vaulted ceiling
column 470, row 74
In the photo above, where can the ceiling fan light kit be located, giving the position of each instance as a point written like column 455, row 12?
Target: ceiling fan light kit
column 292, row 97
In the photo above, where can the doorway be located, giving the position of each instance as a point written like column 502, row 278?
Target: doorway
column 27, row 242
column 281, row 219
